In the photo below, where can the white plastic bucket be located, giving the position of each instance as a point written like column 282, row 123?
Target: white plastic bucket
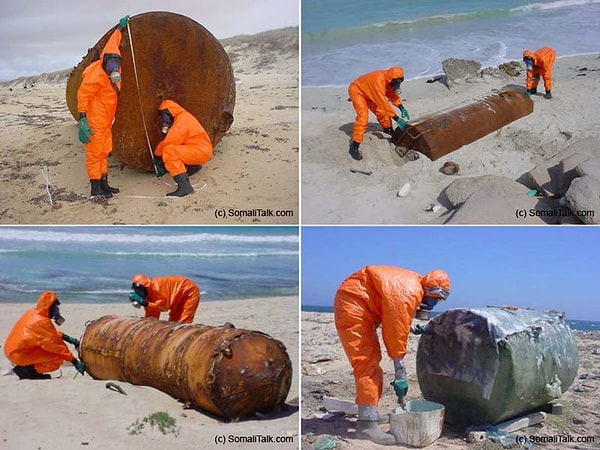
column 419, row 425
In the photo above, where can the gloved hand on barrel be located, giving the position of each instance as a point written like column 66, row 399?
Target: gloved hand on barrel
column 79, row 365
column 137, row 299
column 160, row 166
column 404, row 113
column 401, row 123
column 123, row 23
column 71, row 340
column 418, row 329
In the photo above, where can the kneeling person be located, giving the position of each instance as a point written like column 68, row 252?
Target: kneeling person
column 186, row 144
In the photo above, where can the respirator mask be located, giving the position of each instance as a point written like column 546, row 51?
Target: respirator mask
column 112, row 64
column 431, row 298
column 55, row 315
column 166, row 120
column 395, row 85
column 528, row 63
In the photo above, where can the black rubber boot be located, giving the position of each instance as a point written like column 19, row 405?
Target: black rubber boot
column 191, row 170
column 29, row 373
column 548, row 95
column 183, row 186
column 106, row 187
column 533, row 91
column 388, row 130
column 354, row 151
column 97, row 190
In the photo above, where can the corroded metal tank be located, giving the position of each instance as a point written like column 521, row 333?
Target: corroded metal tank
column 440, row 133
column 177, row 59
column 491, row 364
column 229, row 372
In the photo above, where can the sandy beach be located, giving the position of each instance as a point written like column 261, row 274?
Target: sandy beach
column 332, row 194
column 254, row 167
column 326, row 372
column 78, row 412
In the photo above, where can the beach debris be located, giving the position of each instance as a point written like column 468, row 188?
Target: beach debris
column 229, row 372
column 488, row 365
column 418, row 424
column 511, row 68
column 557, row 409
column 325, row 443
column 364, row 172
column 333, row 404
column 437, row 134
column 432, row 207
column 195, row 70
column 404, row 191
column 115, row 387
column 328, row 417
column 460, row 69
column 450, row 168
column 461, row 189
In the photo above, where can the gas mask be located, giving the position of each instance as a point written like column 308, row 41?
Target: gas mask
column 54, row 314
column 431, row 298
column 528, row 63
column 395, row 85
column 111, row 65
column 166, row 120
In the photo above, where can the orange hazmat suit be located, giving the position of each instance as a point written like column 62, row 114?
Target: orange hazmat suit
column 543, row 60
column 35, row 341
column 98, row 98
column 176, row 294
column 373, row 296
column 372, row 92
column 186, row 142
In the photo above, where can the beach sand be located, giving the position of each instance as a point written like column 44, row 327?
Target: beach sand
column 326, row 372
column 255, row 165
column 79, row 412
column 332, row 194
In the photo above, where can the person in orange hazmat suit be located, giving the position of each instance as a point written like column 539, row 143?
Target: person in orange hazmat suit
column 374, row 91
column 185, row 147
column 97, row 100
column 539, row 64
column 176, row 294
column 387, row 296
column 35, row 346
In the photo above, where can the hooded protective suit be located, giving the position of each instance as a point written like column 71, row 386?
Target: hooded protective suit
column 178, row 295
column 35, row 341
column 373, row 296
column 543, row 60
column 186, row 142
column 98, row 97
column 372, row 92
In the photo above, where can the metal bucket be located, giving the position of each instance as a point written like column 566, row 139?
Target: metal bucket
column 419, row 424
column 489, row 365
column 229, row 372
column 176, row 58
column 440, row 133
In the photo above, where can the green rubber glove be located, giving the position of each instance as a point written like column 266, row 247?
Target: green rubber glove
column 123, row 23
column 418, row 329
column 404, row 113
column 134, row 297
column 71, row 340
column 401, row 123
column 79, row 365
column 401, row 389
column 160, row 167
column 528, row 93
column 84, row 130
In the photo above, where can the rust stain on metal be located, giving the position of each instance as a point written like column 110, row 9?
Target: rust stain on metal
column 443, row 132
column 229, row 372
column 176, row 58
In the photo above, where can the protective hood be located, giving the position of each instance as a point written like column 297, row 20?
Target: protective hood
column 435, row 280
column 528, row 54
column 112, row 46
column 394, row 72
column 174, row 108
column 142, row 280
column 44, row 302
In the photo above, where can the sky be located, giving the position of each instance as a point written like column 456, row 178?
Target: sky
column 542, row 268
column 39, row 36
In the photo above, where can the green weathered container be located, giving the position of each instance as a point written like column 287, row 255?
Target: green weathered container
column 491, row 364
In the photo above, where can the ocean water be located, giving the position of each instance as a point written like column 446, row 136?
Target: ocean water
column 342, row 40
column 96, row 264
column 578, row 325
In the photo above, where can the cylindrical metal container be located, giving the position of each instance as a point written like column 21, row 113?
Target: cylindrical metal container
column 229, row 372
column 491, row 364
column 176, row 58
column 440, row 133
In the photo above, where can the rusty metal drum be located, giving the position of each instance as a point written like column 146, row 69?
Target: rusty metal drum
column 232, row 373
column 443, row 132
column 176, row 58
